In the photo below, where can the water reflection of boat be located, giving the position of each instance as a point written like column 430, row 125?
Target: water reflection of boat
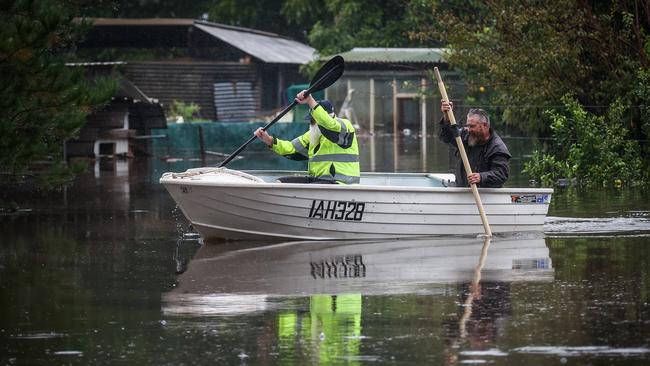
column 224, row 203
column 224, row 279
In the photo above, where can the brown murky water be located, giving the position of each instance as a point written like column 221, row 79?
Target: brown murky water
column 107, row 272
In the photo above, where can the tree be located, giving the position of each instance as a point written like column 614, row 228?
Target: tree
column 265, row 15
column 192, row 9
column 330, row 26
column 43, row 101
column 364, row 23
column 531, row 53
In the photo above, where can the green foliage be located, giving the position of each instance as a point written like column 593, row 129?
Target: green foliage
column 192, row 9
column 186, row 110
column 594, row 150
column 528, row 54
column 43, row 101
column 267, row 15
column 362, row 23
column 330, row 26
column 546, row 168
column 643, row 94
column 642, row 99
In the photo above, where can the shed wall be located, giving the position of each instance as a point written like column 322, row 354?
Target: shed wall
column 189, row 82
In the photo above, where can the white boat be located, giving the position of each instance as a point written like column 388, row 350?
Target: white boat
column 229, row 204
column 244, row 277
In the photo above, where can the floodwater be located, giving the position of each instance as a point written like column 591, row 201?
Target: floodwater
column 108, row 272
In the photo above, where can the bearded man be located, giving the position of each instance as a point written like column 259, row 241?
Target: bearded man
column 488, row 155
column 330, row 146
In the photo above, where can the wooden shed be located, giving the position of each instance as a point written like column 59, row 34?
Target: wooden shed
column 232, row 73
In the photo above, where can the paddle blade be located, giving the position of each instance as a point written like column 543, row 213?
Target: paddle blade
column 327, row 75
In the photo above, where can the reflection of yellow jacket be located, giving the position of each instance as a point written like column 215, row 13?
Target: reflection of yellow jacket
column 335, row 157
column 331, row 318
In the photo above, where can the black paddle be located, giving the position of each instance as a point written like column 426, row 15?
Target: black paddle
column 326, row 76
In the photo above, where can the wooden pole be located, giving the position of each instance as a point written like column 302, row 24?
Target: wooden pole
column 372, row 106
column 463, row 155
column 395, row 132
column 423, row 129
column 201, row 145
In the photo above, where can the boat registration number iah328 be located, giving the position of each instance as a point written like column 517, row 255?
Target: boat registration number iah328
column 337, row 210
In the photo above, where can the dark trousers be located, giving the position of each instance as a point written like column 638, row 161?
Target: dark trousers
column 304, row 179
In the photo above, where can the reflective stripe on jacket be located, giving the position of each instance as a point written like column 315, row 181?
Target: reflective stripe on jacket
column 335, row 157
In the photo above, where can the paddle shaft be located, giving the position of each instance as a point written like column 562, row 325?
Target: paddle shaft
column 463, row 155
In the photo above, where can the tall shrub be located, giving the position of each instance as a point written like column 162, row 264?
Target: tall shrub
column 43, row 102
column 592, row 150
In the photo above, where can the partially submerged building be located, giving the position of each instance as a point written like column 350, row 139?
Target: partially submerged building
column 392, row 90
column 123, row 126
column 391, row 93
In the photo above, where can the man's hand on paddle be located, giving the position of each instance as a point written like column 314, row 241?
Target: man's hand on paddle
column 309, row 100
column 264, row 136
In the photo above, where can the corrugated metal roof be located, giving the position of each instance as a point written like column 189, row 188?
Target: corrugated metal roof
column 268, row 47
column 392, row 55
column 98, row 22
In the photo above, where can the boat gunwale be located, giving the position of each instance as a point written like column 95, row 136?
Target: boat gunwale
column 354, row 187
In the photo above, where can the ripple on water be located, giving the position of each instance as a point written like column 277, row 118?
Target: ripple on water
column 635, row 224
column 487, row 352
column 583, row 351
column 68, row 353
column 48, row 335
column 564, row 351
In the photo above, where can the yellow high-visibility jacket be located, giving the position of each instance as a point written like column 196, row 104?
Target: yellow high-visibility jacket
column 335, row 157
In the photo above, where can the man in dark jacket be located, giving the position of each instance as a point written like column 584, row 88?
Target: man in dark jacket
column 488, row 155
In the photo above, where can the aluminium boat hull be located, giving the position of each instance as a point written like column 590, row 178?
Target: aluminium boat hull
column 384, row 205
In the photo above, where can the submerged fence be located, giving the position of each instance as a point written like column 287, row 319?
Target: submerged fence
column 196, row 139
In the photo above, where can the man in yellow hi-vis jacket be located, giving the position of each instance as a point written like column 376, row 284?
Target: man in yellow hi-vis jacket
column 330, row 145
